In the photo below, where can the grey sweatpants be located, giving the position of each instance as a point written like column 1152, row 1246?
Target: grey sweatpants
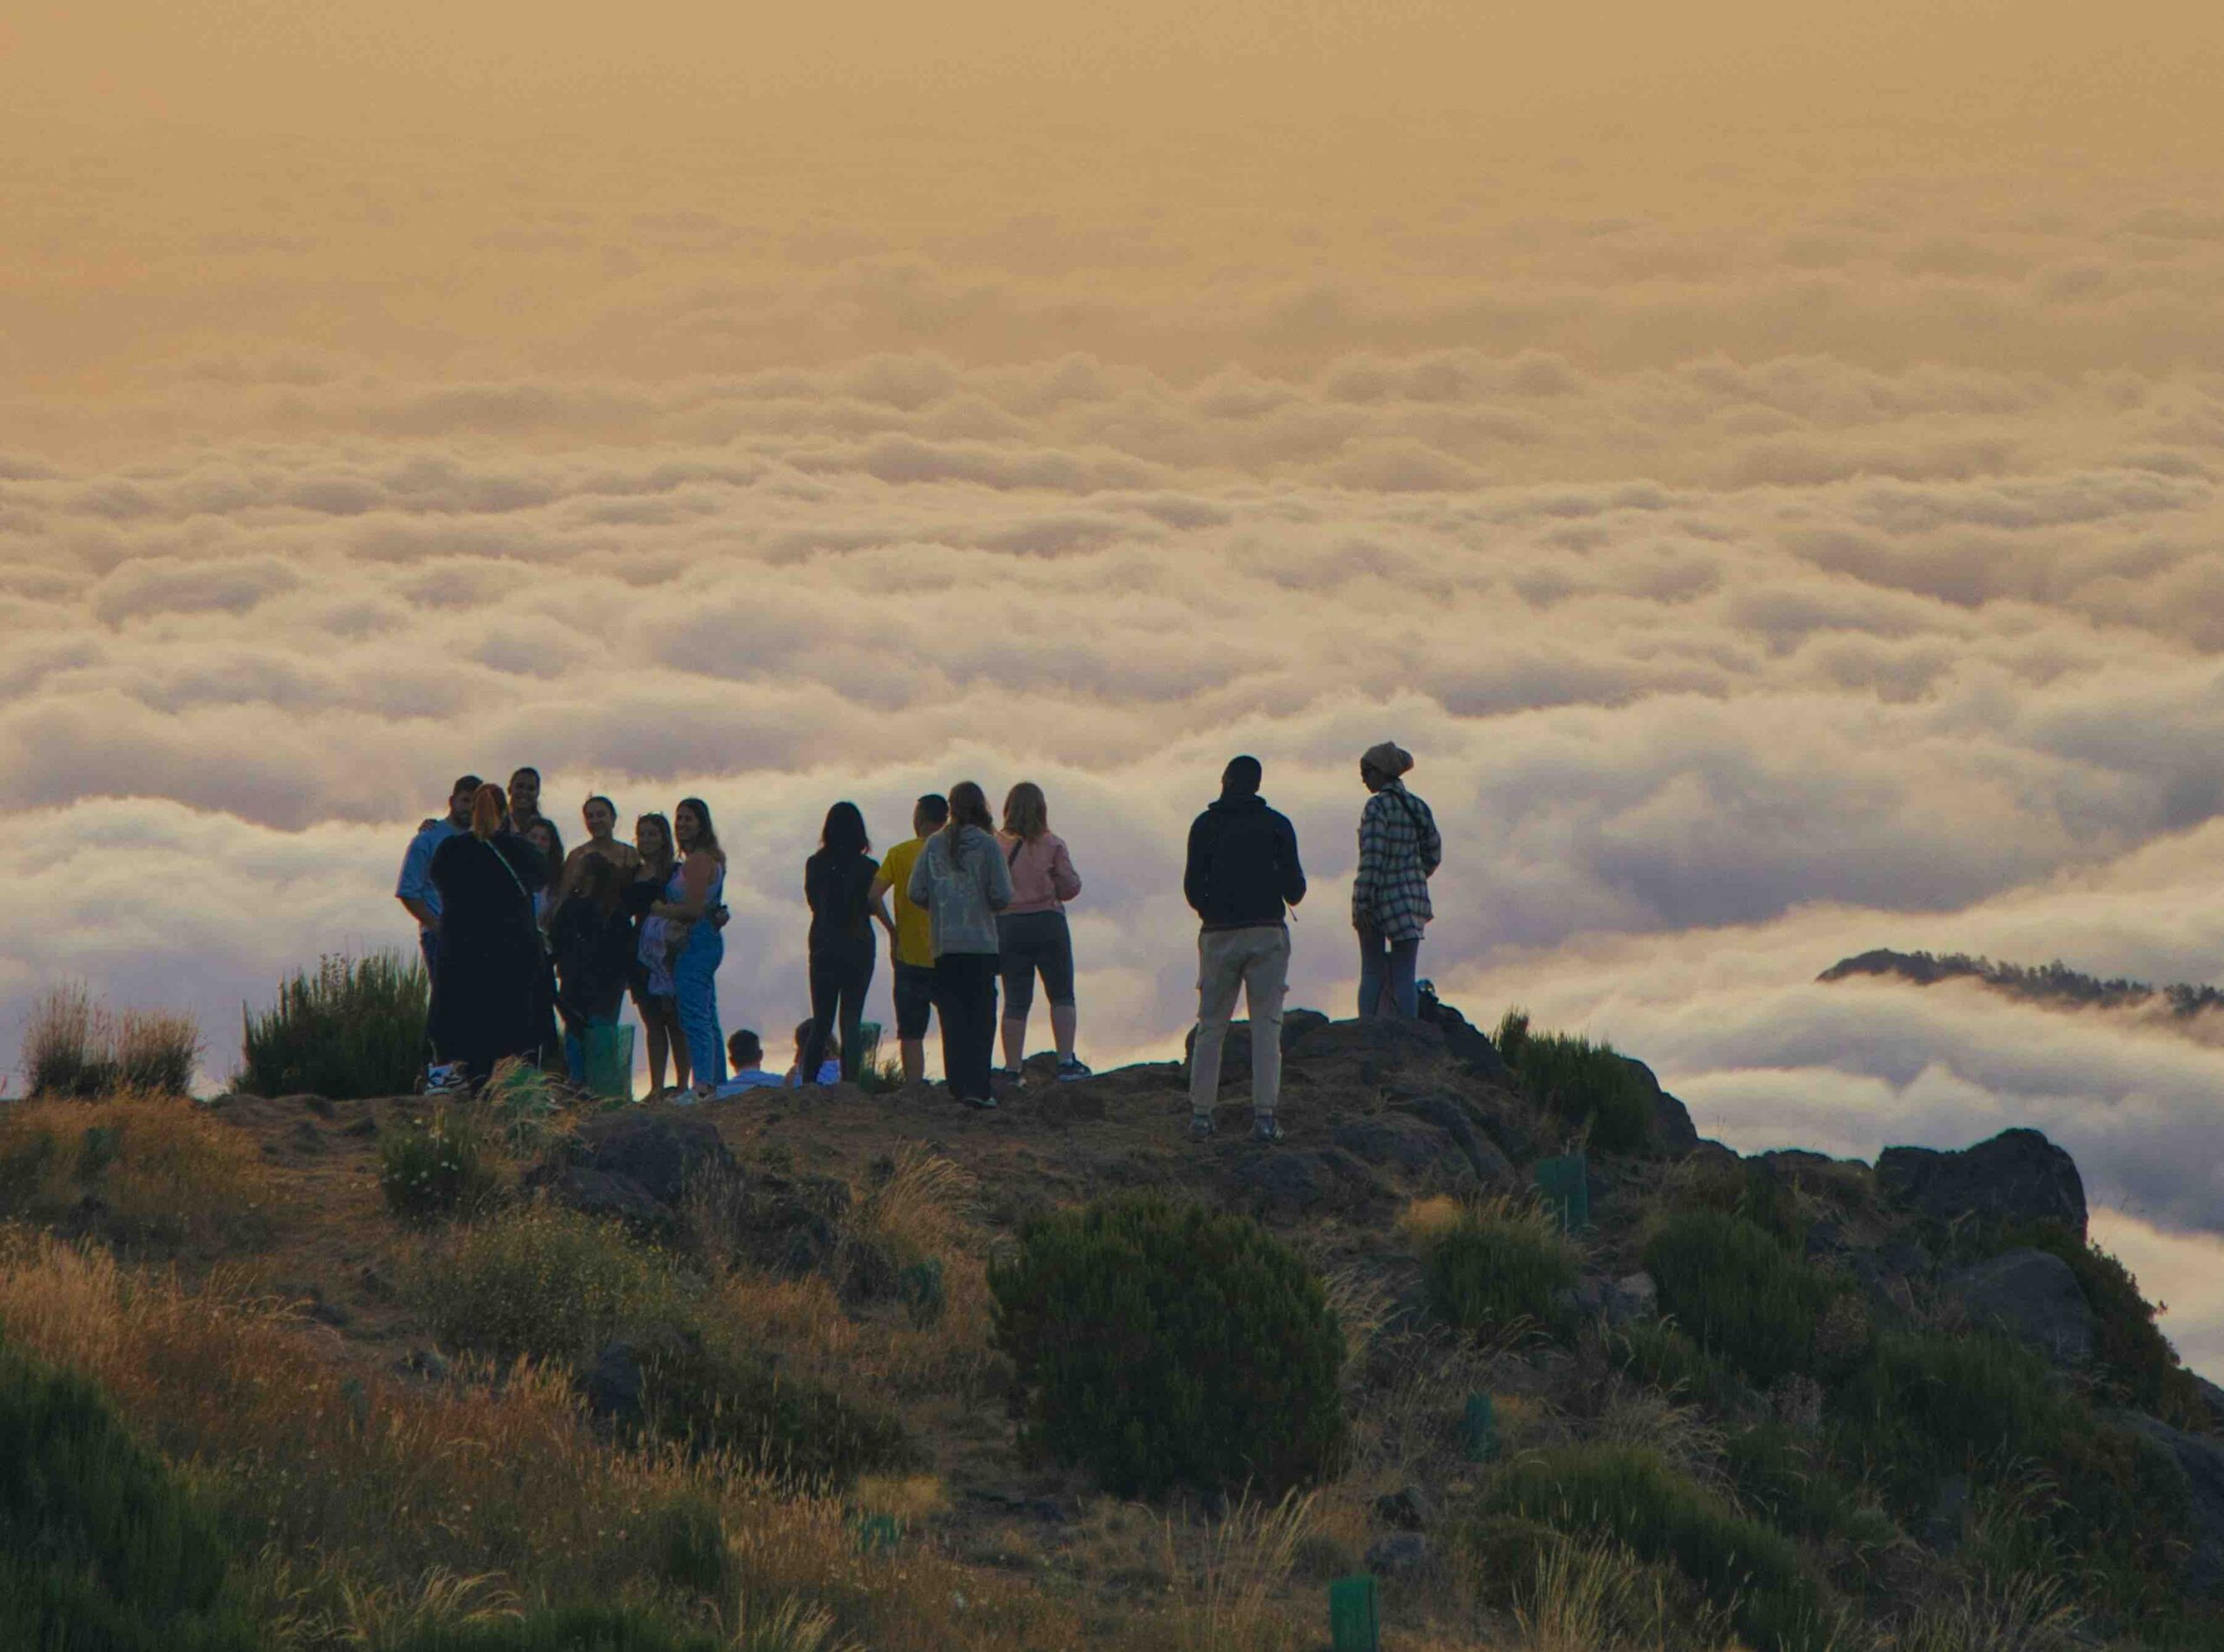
column 1256, row 961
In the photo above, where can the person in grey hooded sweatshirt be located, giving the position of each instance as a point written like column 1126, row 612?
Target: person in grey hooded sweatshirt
column 962, row 882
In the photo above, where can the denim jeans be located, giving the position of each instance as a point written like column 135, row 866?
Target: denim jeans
column 428, row 942
column 695, row 978
column 1387, row 973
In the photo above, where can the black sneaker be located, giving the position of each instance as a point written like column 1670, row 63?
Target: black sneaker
column 1201, row 1129
column 1266, row 1130
column 1011, row 1075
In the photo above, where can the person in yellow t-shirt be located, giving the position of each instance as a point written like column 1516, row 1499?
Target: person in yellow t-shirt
column 914, row 952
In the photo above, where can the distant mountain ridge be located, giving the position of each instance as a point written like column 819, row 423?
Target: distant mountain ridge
column 2053, row 984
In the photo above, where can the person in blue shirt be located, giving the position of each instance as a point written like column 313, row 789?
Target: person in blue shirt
column 745, row 1056
column 416, row 891
column 830, row 1070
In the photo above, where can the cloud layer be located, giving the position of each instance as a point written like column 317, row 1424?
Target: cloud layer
column 1754, row 590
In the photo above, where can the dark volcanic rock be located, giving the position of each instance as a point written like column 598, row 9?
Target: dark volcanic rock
column 2200, row 1465
column 1468, row 1128
column 1464, row 1041
column 1388, row 1044
column 609, row 1198
column 1399, row 1141
column 1399, row 1555
column 1235, row 1053
column 1286, row 1184
column 658, row 1152
column 1673, row 1132
column 1409, row 1509
column 614, row 1384
column 2033, row 1297
column 2016, row 1177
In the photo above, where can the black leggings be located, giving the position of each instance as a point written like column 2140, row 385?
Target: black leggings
column 838, row 985
column 965, row 997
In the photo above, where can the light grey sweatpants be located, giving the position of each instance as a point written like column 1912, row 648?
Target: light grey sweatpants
column 1257, row 961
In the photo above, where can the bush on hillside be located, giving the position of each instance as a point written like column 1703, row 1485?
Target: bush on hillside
column 1495, row 1270
column 593, row 1628
column 75, row 1050
column 1739, row 1293
column 352, row 1030
column 1778, row 1476
column 1586, row 1087
column 1657, row 1353
column 147, row 1170
column 547, row 1283
column 1632, row 1495
column 1160, row 1345
column 702, row 1393
column 100, row 1550
column 2137, row 1364
column 437, row 1167
column 1925, row 1405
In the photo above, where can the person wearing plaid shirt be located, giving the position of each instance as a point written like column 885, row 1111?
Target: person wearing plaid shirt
column 1399, row 849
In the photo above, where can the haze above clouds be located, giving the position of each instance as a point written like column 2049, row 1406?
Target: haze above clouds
column 1766, row 471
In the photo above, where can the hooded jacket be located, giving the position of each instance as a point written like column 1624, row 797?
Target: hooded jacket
column 1243, row 869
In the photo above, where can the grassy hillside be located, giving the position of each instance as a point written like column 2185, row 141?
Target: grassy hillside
column 797, row 1374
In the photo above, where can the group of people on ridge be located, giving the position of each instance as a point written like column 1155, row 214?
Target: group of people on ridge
column 517, row 934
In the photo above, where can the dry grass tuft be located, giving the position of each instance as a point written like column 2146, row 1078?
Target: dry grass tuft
column 922, row 1208
column 1225, row 1585
column 146, row 1169
column 1588, row 1596
column 76, row 1048
column 2022, row 1613
column 1636, row 1414
column 378, row 1497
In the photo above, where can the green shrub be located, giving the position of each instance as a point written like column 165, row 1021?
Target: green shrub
column 1738, row 1292
column 1630, row 1493
column 595, row 1628
column 1159, row 1345
column 1657, row 1352
column 702, row 1392
column 1488, row 1272
column 547, row 1283
column 1789, row 1482
column 1580, row 1084
column 439, row 1167
column 100, row 1550
column 353, row 1029
column 1925, row 1405
column 687, row 1540
column 2137, row 1363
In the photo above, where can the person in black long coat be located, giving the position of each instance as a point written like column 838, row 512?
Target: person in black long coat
column 491, row 999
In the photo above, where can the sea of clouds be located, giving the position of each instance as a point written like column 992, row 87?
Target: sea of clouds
column 1749, row 600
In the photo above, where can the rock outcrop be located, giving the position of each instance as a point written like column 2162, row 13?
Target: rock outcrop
column 2016, row 1178
column 2032, row 1296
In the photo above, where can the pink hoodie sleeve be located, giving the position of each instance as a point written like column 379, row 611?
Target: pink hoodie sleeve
column 1064, row 878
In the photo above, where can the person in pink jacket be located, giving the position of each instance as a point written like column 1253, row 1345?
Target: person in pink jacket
column 1031, row 931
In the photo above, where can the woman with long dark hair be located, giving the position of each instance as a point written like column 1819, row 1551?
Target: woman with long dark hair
column 963, row 882
column 837, row 881
column 592, row 942
column 697, row 889
column 491, row 1000
column 544, row 836
column 655, row 993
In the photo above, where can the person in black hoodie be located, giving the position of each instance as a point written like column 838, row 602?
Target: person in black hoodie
column 1242, row 875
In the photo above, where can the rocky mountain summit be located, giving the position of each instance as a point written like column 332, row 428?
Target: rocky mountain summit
column 1797, row 1401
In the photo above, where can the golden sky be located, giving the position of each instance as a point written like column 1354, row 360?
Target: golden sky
column 1762, row 459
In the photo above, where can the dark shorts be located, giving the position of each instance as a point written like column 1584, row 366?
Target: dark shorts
column 1031, row 941
column 915, row 999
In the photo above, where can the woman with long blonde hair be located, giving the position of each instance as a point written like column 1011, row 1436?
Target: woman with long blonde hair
column 1032, row 933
